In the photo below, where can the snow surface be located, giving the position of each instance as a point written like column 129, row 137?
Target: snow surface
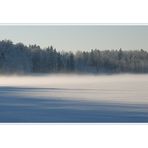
column 74, row 98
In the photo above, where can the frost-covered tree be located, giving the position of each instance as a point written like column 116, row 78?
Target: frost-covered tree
column 18, row 58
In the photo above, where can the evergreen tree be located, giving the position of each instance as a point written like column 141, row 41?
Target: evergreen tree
column 18, row 58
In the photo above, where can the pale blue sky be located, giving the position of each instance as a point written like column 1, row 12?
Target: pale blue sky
column 79, row 37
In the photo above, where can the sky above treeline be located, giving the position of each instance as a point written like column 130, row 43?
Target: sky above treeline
column 79, row 37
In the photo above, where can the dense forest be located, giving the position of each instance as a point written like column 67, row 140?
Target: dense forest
column 18, row 58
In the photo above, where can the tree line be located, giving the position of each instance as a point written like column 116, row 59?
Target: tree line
column 18, row 58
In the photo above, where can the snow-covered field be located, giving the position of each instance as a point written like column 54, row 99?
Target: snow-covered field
column 74, row 98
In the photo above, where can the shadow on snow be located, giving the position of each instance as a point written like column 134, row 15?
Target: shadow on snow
column 14, row 108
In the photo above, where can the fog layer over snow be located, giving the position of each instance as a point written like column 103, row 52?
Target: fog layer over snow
column 125, row 88
column 74, row 98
